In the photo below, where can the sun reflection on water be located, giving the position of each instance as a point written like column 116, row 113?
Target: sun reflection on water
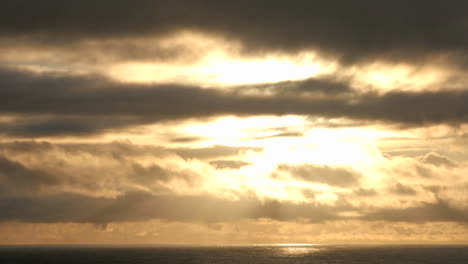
column 292, row 250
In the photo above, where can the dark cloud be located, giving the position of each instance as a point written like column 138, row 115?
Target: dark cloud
column 284, row 134
column 426, row 212
column 142, row 206
column 334, row 176
column 91, row 104
column 186, row 139
column 438, row 160
column 325, row 85
column 401, row 189
column 16, row 178
column 212, row 152
column 118, row 150
column 365, row 192
column 139, row 206
column 41, row 166
column 50, row 126
column 34, row 50
column 358, row 30
column 230, row 164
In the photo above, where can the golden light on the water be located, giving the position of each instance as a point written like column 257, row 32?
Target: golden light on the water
column 289, row 250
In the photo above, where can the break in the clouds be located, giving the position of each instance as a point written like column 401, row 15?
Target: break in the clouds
column 233, row 121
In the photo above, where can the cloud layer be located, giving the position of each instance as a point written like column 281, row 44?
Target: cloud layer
column 363, row 30
column 61, row 104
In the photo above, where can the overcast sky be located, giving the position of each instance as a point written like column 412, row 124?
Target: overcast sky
column 233, row 122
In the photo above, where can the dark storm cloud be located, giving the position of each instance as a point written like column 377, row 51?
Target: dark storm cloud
column 352, row 30
column 62, row 104
column 340, row 177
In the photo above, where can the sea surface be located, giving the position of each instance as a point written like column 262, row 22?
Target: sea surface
column 265, row 254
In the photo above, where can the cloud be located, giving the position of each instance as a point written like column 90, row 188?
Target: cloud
column 365, row 192
column 440, row 211
column 142, row 206
column 334, row 176
column 101, row 170
column 325, row 85
column 437, row 160
column 16, row 178
column 356, row 31
column 212, row 152
column 230, row 164
column 401, row 189
column 43, row 182
column 57, row 104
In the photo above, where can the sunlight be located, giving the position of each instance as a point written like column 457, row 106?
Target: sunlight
column 220, row 64
column 235, row 71
column 298, row 249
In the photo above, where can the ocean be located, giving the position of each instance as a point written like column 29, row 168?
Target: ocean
column 258, row 254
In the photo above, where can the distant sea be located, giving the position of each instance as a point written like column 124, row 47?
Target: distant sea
column 320, row 254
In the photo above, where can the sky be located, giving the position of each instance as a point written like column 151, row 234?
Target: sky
column 233, row 122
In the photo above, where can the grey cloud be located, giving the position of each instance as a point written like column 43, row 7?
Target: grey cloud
column 33, row 50
column 43, row 167
column 426, row 212
column 438, row 160
column 185, row 139
column 401, row 189
column 283, row 134
column 142, row 206
column 365, row 192
column 325, row 85
column 16, row 178
column 230, row 164
column 40, row 190
column 212, row 152
column 119, row 150
column 340, row 177
column 32, row 191
column 93, row 104
column 352, row 31
column 39, row 126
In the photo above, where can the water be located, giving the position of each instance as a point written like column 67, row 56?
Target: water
column 234, row 254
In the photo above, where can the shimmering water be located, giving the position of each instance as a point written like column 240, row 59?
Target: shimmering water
column 233, row 254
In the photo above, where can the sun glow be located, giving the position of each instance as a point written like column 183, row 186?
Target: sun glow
column 219, row 63
column 235, row 71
